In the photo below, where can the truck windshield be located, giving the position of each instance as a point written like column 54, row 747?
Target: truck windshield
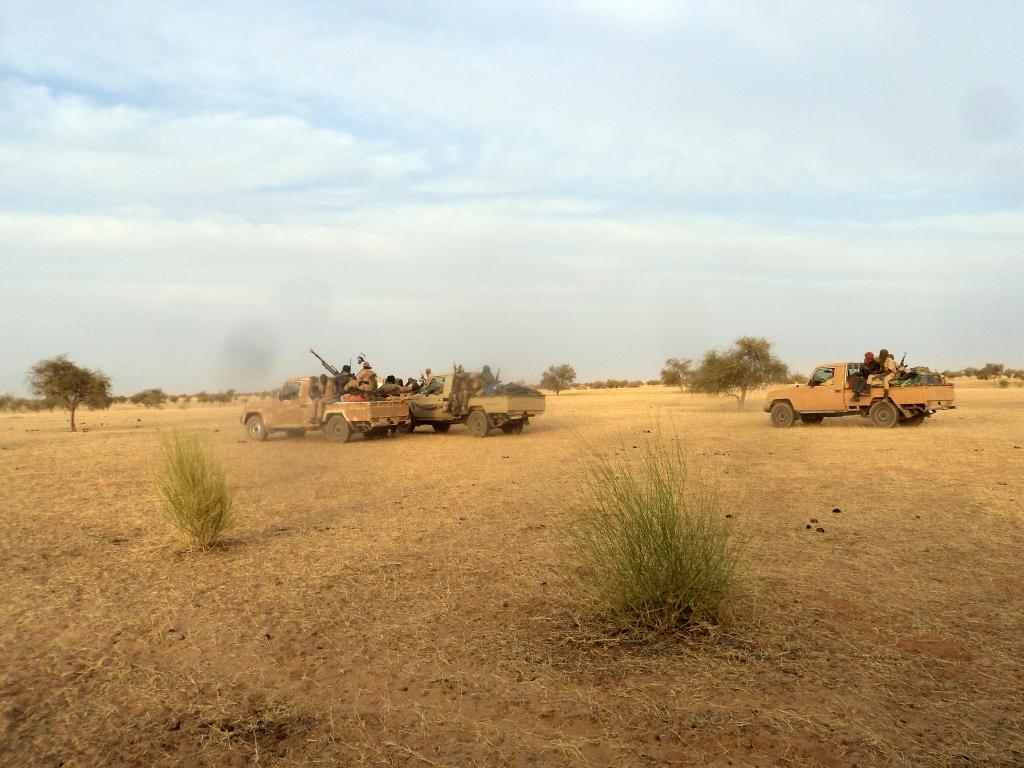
column 290, row 391
column 822, row 375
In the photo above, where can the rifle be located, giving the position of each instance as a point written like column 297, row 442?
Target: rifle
column 330, row 368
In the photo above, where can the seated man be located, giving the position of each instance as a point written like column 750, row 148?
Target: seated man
column 390, row 387
column 888, row 369
column 365, row 382
column 859, row 381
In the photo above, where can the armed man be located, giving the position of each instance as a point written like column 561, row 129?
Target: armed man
column 365, row 382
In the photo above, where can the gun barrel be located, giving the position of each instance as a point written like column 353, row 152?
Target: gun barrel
column 331, row 369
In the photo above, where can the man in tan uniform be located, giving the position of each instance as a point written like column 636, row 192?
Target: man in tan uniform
column 888, row 367
column 365, row 382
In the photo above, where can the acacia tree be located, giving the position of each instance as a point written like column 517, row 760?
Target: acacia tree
column 676, row 372
column 60, row 380
column 747, row 364
column 558, row 377
column 150, row 398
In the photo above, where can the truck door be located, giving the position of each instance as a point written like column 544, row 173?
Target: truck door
column 824, row 390
column 295, row 409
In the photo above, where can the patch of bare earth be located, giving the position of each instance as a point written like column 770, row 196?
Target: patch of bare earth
column 401, row 602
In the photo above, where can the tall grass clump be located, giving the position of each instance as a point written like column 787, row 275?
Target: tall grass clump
column 194, row 488
column 654, row 549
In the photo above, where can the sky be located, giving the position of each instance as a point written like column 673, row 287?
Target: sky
column 194, row 194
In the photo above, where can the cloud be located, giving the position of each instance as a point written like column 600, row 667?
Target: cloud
column 657, row 105
column 65, row 152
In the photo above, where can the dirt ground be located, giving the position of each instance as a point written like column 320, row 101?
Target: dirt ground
column 401, row 602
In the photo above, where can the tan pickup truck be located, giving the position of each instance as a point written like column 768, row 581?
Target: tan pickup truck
column 300, row 407
column 445, row 400
column 828, row 392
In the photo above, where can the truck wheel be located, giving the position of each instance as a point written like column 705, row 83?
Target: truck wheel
column 478, row 424
column 337, row 429
column 913, row 421
column 513, row 427
column 256, row 429
column 811, row 418
column 782, row 415
column 408, row 427
column 442, row 427
column 884, row 414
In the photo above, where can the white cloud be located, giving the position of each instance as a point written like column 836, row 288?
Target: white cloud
column 66, row 152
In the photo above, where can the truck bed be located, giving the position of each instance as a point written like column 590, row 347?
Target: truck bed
column 371, row 411
column 933, row 396
column 512, row 404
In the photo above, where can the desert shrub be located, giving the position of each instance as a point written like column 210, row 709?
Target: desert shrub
column 1004, row 383
column 194, row 488
column 653, row 382
column 653, row 548
column 634, row 384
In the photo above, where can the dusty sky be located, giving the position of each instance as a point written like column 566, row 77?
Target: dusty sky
column 192, row 195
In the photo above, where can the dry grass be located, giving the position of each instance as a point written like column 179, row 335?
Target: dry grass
column 397, row 602
column 653, row 548
column 195, row 492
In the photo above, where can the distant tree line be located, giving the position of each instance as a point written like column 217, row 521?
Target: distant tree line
column 986, row 372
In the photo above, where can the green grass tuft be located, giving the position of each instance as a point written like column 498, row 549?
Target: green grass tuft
column 653, row 546
column 196, row 498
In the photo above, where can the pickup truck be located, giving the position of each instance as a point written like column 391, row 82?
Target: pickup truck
column 299, row 407
column 445, row 400
column 828, row 392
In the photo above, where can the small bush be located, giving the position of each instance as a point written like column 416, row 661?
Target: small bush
column 196, row 498
column 1004, row 383
column 654, row 550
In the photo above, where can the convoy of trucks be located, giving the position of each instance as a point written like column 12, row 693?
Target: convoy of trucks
column 301, row 406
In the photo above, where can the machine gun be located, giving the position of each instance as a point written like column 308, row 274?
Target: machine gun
column 330, row 368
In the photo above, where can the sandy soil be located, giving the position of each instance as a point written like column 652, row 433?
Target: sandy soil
column 400, row 602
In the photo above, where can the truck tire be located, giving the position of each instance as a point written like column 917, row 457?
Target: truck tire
column 409, row 427
column 513, row 427
column 811, row 418
column 256, row 429
column 783, row 415
column 478, row 424
column 884, row 414
column 337, row 429
column 441, row 426
column 913, row 421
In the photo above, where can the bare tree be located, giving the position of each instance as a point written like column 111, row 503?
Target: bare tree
column 749, row 363
column 58, row 379
column 558, row 377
